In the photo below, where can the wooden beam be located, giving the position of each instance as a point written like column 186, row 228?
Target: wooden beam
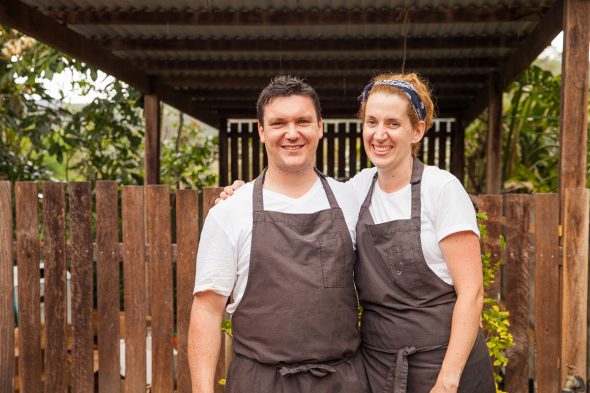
column 151, row 162
column 528, row 50
column 300, row 66
column 494, row 142
column 572, row 186
column 31, row 22
column 307, row 44
column 307, row 17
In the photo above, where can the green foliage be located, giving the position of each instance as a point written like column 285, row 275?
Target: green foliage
column 530, row 127
column 41, row 137
column 494, row 316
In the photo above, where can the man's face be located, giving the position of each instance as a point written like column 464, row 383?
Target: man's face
column 290, row 132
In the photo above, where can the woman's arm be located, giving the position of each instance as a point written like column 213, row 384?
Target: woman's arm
column 463, row 256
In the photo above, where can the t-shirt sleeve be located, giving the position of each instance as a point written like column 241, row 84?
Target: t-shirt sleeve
column 360, row 183
column 454, row 211
column 216, row 259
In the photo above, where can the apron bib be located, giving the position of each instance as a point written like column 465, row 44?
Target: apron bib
column 296, row 327
column 407, row 308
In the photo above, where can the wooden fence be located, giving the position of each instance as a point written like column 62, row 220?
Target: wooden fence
column 340, row 153
column 153, row 233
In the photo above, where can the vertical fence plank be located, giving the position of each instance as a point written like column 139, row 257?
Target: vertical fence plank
column 54, row 236
column 352, row 140
column 255, row 150
column 458, row 150
column 107, row 277
column 319, row 155
column 6, row 291
column 492, row 206
column 431, row 139
column 82, row 293
column 363, row 159
column 132, row 203
column 187, row 243
column 330, row 164
column 547, row 292
column 517, row 293
column 246, row 136
column 209, row 196
column 341, row 150
column 574, row 304
column 233, row 137
column 160, row 257
column 29, row 314
column 442, row 144
column 223, row 153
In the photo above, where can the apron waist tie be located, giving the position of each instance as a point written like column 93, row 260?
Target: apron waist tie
column 316, row 369
column 397, row 377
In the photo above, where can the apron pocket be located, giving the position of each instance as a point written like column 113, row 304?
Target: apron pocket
column 336, row 270
column 401, row 261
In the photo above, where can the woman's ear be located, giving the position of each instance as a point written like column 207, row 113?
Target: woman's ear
column 419, row 132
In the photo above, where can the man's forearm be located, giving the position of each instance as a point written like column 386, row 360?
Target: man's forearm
column 204, row 341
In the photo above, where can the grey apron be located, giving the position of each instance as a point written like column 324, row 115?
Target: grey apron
column 407, row 308
column 296, row 327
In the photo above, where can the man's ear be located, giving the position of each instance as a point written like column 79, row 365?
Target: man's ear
column 261, row 132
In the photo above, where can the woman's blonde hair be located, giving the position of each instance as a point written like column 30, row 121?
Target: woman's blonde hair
column 422, row 87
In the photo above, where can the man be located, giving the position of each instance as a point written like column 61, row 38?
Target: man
column 284, row 248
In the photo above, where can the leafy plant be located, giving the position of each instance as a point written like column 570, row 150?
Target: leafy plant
column 494, row 316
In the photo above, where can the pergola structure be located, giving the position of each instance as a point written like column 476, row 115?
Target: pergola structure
column 209, row 59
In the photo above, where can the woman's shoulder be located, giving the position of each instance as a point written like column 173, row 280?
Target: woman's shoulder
column 435, row 178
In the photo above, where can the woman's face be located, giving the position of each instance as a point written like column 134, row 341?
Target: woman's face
column 388, row 133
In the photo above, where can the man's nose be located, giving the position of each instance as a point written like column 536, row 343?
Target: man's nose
column 292, row 132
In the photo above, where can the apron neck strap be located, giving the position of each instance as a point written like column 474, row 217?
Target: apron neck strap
column 417, row 170
column 258, row 202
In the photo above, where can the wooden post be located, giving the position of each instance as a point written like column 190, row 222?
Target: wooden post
column 6, row 290
column 572, row 175
column 458, row 149
column 151, row 164
column 494, row 143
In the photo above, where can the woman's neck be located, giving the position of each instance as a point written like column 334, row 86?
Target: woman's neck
column 394, row 178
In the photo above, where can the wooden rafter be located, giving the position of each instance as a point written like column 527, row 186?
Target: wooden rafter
column 308, row 44
column 272, row 17
column 549, row 26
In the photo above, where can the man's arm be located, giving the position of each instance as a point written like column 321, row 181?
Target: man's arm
column 204, row 339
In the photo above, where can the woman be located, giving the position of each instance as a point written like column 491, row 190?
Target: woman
column 418, row 274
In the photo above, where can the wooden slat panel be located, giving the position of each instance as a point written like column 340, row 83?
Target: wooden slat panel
column 54, row 236
column 209, row 196
column 458, row 150
column 81, row 267
column 107, row 276
column 187, row 229
column 547, row 292
column 492, row 205
column 330, row 164
column 233, row 137
column 29, row 314
column 160, row 257
column 352, row 140
column 6, row 291
column 264, row 157
column 431, row 144
column 319, row 155
column 132, row 202
column 341, row 150
column 246, row 136
column 574, row 304
column 363, row 159
column 517, row 293
column 223, row 153
column 255, row 150
column 442, row 145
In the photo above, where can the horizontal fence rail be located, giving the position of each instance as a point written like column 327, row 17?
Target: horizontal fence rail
column 340, row 152
column 105, row 279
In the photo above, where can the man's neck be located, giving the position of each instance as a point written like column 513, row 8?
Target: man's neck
column 291, row 184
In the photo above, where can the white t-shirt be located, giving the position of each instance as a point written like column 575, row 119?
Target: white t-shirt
column 224, row 249
column 446, row 209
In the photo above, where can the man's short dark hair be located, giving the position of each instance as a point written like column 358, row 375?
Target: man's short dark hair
column 285, row 86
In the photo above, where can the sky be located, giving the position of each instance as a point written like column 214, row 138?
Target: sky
column 63, row 80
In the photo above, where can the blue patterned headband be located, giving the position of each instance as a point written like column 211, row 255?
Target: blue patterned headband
column 406, row 87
